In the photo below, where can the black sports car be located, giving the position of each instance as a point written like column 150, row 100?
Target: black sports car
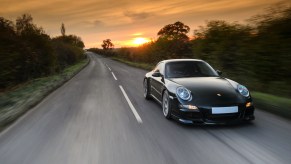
column 191, row 91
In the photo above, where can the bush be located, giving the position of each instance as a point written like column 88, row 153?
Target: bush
column 27, row 52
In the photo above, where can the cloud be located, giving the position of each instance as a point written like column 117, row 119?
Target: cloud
column 136, row 16
column 98, row 23
column 137, row 34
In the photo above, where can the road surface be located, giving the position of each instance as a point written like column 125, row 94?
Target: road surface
column 101, row 117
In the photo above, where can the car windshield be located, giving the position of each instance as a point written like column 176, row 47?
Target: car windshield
column 189, row 69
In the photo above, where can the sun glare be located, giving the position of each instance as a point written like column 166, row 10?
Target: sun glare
column 140, row 41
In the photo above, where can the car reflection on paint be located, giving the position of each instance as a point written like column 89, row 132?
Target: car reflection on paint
column 191, row 91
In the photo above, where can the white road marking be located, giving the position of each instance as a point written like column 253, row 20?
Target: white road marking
column 113, row 75
column 130, row 105
column 109, row 68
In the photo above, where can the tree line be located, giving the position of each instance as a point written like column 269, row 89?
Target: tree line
column 257, row 54
column 27, row 52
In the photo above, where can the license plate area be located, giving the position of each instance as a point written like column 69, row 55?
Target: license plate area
column 224, row 110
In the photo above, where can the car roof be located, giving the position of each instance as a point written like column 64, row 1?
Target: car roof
column 178, row 60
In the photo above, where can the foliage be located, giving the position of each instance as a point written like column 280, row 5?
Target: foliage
column 257, row 55
column 72, row 40
column 27, row 52
column 66, row 54
column 222, row 44
column 103, row 52
column 63, row 29
column 173, row 41
column 273, row 47
column 107, row 44
column 175, row 31
column 107, row 48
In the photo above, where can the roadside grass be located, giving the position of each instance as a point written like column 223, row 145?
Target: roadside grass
column 277, row 105
column 274, row 104
column 16, row 102
column 145, row 66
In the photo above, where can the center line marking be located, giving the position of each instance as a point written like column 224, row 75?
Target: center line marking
column 130, row 105
column 114, row 76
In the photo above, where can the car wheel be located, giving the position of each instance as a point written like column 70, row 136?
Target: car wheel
column 166, row 105
column 146, row 92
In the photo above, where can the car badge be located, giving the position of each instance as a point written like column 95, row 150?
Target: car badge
column 218, row 94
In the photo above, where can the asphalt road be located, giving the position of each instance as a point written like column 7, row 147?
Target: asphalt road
column 89, row 121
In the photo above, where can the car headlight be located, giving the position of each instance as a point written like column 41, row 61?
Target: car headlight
column 183, row 93
column 243, row 90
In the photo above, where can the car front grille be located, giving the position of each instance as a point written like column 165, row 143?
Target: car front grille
column 208, row 116
column 223, row 117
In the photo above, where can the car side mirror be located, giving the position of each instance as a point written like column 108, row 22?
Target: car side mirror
column 219, row 72
column 156, row 74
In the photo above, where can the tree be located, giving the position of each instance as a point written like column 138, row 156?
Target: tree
column 6, row 26
column 10, row 55
column 71, row 40
column 69, row 49
column 37, row 48
column 173, row 41
column 27, row 52
column 107, row 44
column 63, row 29
column 24, row 23
column 272, row 40
column 176, row 31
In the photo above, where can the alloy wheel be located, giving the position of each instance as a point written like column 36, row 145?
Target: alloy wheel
column 165, row 104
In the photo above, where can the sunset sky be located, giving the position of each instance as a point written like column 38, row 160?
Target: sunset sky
column 123, row 21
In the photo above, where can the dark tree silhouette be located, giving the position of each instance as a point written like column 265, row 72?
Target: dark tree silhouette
column 23, row 23
column 6, row 25
column 63, row 29
column 173, row 41
column 27, row 52
column 71, row 40
column 176, row 31
column 107, row 44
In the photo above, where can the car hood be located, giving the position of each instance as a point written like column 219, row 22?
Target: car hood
column 214, row 91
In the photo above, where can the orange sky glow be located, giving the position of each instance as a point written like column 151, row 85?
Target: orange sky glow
column 127, row 23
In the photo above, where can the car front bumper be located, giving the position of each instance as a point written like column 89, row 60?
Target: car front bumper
column 203, row 115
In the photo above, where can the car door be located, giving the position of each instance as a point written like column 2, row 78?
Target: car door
column 157, row 83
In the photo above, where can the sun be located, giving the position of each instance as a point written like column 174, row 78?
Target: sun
column 139, row 41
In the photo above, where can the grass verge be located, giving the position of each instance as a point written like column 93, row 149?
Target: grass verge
column 145, row 66
column 16, row 102
column 277, row 105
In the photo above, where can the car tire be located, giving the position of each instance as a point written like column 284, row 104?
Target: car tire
column 166, row 105
column 146, row 91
